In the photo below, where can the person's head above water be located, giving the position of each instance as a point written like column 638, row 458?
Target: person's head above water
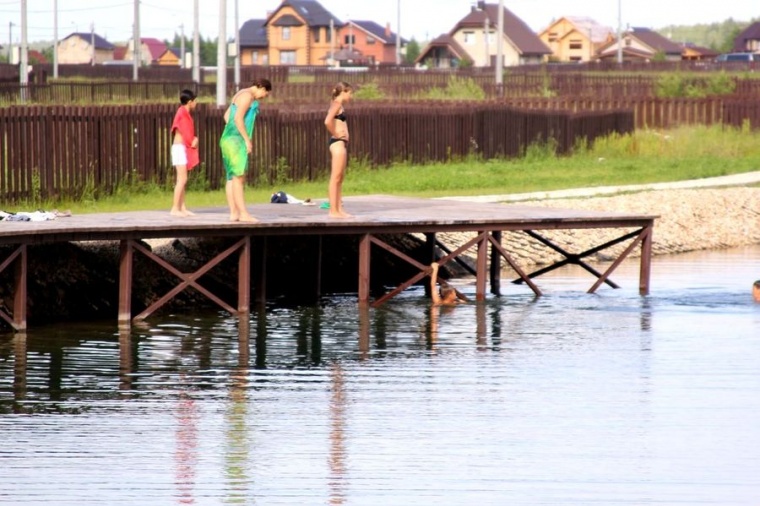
column 756, row 290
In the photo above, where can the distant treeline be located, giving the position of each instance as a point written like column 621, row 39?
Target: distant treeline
column 718, row 36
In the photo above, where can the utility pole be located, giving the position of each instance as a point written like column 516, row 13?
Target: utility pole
column 350, row 38
column 221, row 56
column 500, row 47
column 136, row 44
column 182, row 46
column 196, row 45
column 55, row 39
column 486, row 26
column 398, row 33
column 92, row 43
column 620, row 33
column 237, row 47
column 23, row 69
column 10, row 40
column 332, row 42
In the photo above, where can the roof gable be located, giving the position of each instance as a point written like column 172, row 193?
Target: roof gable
column 590, row 28
column 445, row 41
column 377, row 31
column 100, row 42
column 523, row 38
column 654, row 40
column 155, row 47
column 287, row 20
column 253, row 33
column 311, row 11
column 752, row 32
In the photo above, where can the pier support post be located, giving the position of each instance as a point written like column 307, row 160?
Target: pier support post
column 126, row 265
column 19, row 298
column 365, row 244
column 481, row 267
column 244, row 277
column 646, row 260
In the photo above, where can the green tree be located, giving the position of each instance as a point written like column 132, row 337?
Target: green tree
column 48, row 53
column 728, row 42
column 412, row 51
column 207, row 47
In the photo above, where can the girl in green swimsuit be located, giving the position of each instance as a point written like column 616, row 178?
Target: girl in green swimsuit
column 236, row 144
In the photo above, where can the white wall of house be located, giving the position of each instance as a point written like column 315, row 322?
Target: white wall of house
column 482, row 51
column 78, row 50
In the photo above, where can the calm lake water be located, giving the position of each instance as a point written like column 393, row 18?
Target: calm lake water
column 568, row 399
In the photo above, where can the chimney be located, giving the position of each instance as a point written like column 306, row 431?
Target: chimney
column 387, row 30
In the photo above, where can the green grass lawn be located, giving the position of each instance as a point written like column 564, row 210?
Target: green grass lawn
column 646, row 156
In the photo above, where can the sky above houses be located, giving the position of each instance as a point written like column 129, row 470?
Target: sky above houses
column 421, row 19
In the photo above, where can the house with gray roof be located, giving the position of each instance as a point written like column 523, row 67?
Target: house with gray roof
column 254, row 46
column 301, row 32
column 84, row 48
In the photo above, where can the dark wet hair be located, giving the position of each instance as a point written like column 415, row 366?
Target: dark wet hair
column 340, row 88
column 186, row 96
column 756, row 284
column 262, row 83
column 447, row 291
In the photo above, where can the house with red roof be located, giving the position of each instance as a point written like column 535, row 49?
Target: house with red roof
column 150, row 50
column 375, row 44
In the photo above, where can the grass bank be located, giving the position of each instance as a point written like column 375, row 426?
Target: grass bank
column 646, row 156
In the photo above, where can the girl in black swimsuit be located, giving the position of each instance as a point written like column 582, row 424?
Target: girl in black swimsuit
column 337, row 124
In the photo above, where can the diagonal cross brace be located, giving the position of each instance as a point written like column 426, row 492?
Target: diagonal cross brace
column 188, row 279
column 425, row 270
column 575, row 258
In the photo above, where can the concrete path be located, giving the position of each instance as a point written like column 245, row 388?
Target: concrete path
column 745, row 179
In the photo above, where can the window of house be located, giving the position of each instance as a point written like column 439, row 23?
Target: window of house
column 469, row 37
column 575, row 58
column 328, row 35
column 552, row 36
column 254, row 56
column 370, row 40
column 316, row 34
column 576, row 44
column 287, row 57
column 349, row 39
column 285, row 33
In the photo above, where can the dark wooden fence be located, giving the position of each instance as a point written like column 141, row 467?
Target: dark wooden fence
column 65, row 151
column 523, row 85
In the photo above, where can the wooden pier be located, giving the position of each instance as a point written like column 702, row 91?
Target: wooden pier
column 373, row 215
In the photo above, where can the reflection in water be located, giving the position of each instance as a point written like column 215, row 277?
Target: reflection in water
column 186, row 453
column 19, row 371
column 238, row 436
column 566, row 399
column 126, row 358
column 337, row 455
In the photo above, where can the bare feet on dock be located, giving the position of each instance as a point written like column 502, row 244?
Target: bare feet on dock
column 247, row 218
column 340, row 214
column 181, row 214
